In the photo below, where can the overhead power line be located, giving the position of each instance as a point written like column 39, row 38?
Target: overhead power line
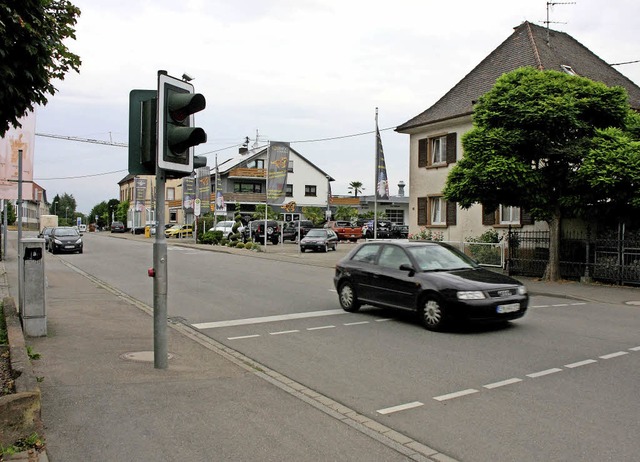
column 83, row 140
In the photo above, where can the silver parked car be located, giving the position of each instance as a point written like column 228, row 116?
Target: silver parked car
column 226, row 227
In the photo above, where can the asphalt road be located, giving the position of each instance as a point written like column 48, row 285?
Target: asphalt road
column 558, row 384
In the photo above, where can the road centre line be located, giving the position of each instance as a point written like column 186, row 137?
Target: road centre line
column 546, row 372
column 635, row 348
column 580, row 363
column 264, row 319
column 614, row 355
column 502, row 383
column 355, row 323
column 457, row 394
column 384, row 319
column 284, row 332
column 401, row 407
column 320, row 327
column 561, row 304
column 243, row 336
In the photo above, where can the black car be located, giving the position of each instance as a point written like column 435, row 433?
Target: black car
column 65, row 239
column 439, row 282
column 290, row 229
column 399, row 231
column 319, row 239
column 256, row 230
column 117, row 227
column 46, row 234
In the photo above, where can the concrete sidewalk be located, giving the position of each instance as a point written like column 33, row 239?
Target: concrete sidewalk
column 102, row 399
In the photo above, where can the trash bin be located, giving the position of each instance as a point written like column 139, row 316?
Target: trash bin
column 147, row 231
column 32, row 293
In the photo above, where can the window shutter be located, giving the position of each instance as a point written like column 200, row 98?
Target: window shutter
column 452, row 213
column 451, row 148
column 422, row 211
column 422, row 152
column 525, row 218
column 488, row 217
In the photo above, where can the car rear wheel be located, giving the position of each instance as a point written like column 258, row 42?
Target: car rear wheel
column 432, row 313
column 348, row 298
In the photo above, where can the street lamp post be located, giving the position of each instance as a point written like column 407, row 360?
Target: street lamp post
column 66, row 214
column 55, row 208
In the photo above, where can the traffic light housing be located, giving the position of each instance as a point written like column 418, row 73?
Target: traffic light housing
column 142, row 132
column 177, row 134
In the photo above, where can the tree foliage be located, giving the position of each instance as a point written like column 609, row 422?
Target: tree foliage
column 33, row 54
column 65, row 207
column 316, row 214
column 554, row 144
column 355, row 187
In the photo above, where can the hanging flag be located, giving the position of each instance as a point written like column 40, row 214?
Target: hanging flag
column 278, row 166
column 382, row 185
column 220, row 206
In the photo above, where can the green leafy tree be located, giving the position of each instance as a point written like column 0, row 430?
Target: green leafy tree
column 355, row 187
column 346, row 213
column 553, row 144
column 11, row 212
column 315, row 214
column 32, row 45
column 65, row 207
column 121, row 212
column 259, row 213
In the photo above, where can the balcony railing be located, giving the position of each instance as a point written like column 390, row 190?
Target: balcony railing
column 247, row 173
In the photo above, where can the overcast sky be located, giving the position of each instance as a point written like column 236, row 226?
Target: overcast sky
column 289, row 70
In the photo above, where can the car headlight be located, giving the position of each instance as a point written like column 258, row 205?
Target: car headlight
column 522, row 290
column 57, row 241
column 79, row 241
column 470, row 295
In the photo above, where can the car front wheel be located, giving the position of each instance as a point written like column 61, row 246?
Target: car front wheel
column 348, row 298
column 432, row 313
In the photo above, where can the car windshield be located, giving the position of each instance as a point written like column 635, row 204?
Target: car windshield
column 175, row 227
column 439, row 258
column 316, row 233
column 66, row 232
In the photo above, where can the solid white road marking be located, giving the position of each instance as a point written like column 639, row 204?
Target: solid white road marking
column 547, row 372
column 502, row 383
column 614, row 355
column 284, row 332
column 580, row 363
column 401, row 407
column 280, row 317
column 457, row 394
column 242, row 336
column 320, row 327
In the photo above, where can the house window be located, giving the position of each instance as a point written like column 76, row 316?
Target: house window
column 240, row 187
column 439, row 150
column 437, row 214
column 290, row 166
column 310, row 190
column 288, row 190
column 509, row 215
column 171, row 194
column 258, row 163
column 568, row 69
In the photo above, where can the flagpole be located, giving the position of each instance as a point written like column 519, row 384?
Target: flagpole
column 215, row 195
column 375, row 184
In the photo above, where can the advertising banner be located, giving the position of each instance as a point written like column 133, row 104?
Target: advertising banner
column 15, row 140
column 188, row 194
column 140, row 193
column 278, row 166
column 204, row 189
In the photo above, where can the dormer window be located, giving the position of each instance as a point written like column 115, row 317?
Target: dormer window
column 568, row 69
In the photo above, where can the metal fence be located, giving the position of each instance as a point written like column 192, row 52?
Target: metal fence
column 611, row 256
column 485, row 253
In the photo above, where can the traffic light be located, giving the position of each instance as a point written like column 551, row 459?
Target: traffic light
column 142, row 132
column 177, row 135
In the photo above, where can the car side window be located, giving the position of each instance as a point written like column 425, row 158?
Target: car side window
column 392, row 257
column 367, row 253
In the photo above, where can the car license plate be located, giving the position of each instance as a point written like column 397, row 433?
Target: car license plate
column 510, row 308
column 68, row 247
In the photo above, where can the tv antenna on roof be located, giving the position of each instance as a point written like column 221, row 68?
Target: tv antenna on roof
column 548, row 21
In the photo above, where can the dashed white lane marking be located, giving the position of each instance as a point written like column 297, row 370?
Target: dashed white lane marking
column 384, row 319
column 401, row 407
column 542, row 373
column 320, row 327
column 284, row 332
column 635, row 348
column 580, row 363
column 280, row 317
column 457, row 394
column 242, row 336
column 355, row 323
column 614, row 355
column 502, row 383
column 559, row 304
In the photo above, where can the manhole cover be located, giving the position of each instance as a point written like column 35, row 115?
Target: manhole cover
column 141, row 356
column 633, row 302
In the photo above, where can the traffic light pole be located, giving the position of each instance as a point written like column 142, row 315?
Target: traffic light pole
column 160, row 280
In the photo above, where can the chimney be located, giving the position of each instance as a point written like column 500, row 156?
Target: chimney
column 401, row 188
column 243, row 150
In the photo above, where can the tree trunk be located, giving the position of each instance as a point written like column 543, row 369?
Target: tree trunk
column 552, row 272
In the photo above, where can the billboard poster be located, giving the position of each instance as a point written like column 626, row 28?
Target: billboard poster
column 14, row 140
column 140, row 193
column 188, row 194
column 278, row 166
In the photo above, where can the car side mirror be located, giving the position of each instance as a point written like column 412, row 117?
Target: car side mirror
column 408, row 268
